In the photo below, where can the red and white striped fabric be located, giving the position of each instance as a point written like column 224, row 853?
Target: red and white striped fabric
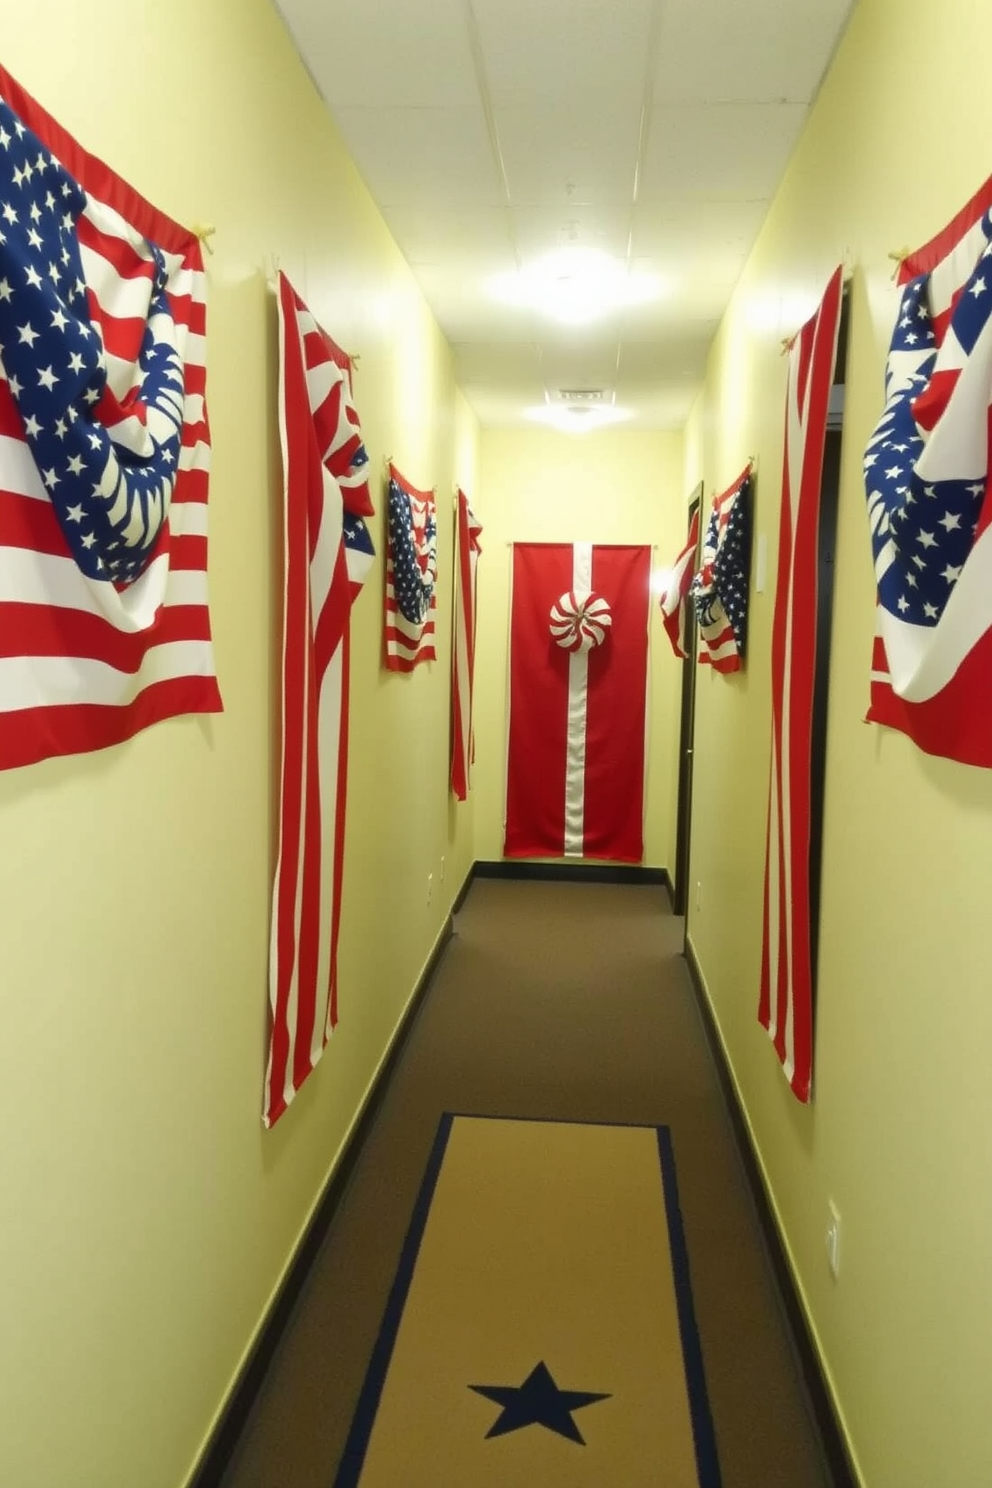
column 467, row 550
column 676, row 612
column 411, row 575
column 578, row 700
column 328, row 556
column 86, row 661
column 787, row 972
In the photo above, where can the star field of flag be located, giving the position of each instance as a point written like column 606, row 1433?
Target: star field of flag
column 720, row 589
column 108, row 460
column 729, row 583
column 411, row 575
column 414, row 555
column 922, row 524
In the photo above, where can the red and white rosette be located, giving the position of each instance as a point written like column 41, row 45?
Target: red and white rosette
column 580, row 621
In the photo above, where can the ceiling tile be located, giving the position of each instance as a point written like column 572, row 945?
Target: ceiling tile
column 734, row 152
column 679, row 228
column 674, row 358
column 541, row 230
column 587, row 364
column 551, row 48
column 504, row 365
column 423, row 156
column 579, row 149
column 722, row 51
column 466, row 310
column 665, row 407
column 426, row 236
column 413, row 53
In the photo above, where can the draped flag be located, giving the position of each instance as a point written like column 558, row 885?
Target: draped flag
column 467, row 549
column 786, row 998
column 929, row 508
column 578, row 690
column 674, row 606
column 328, row 555
column 104, row 451
column 719, row 590
column 411, row 575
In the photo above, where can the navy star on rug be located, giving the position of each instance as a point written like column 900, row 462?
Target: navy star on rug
column 537, row 1402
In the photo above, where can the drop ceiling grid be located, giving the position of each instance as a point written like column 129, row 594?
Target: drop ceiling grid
column 725, row 92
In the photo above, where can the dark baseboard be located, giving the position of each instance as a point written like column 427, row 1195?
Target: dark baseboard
column 612, row 873
column 462, row 894
column 841, row 1468
column 221, row 1447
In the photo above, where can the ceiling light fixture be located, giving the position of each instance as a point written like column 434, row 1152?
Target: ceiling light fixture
column 577, row 418
column 576, row 286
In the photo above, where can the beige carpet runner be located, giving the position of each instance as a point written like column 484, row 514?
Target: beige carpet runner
column 540, row 1331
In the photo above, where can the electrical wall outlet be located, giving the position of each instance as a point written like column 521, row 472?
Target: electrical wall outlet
column 833, row 1239
column 430, row 887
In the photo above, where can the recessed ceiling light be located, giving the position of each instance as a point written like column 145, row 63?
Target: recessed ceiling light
column 577, row 418
column 576, row 286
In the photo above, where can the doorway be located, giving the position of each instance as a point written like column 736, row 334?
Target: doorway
column 683, row 827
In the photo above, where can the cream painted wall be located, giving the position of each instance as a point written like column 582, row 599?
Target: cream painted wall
column 146, row 1215
column 544, row 486
column 899, row 1132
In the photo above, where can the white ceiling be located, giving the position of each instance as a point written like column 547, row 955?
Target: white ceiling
column 491, row 132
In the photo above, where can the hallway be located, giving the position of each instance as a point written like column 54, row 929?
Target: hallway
column 563, row 1001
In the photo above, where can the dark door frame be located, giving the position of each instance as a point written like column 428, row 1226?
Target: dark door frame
column 683, row 827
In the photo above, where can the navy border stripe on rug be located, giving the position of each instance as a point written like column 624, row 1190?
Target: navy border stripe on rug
column 360, row 1431
column 707, row 1463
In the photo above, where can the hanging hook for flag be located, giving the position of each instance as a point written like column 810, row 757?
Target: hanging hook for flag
column 270, row 268
column 788, row 342
column 900, row 255
column 204, row 231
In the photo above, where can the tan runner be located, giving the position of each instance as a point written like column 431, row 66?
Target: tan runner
column 540, row 1331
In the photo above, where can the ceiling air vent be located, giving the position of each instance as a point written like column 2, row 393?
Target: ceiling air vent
column 582, row 395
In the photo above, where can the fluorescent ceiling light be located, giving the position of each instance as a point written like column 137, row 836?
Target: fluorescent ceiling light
column 576, row 286
column 577, row 418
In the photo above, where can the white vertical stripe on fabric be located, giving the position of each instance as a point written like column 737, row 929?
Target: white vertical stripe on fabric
column 798, row 418
column 291, row 1012
column 329, row 751
column 578, row 691
column 774, row 891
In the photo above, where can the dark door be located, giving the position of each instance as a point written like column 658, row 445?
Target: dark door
column 680, row 897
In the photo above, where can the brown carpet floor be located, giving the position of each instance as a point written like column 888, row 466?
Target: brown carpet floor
column 556, row 1000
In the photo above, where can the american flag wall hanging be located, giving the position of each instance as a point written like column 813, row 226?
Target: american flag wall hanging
column 676, row 611
column 930, row 513
column 328, row 555
column 719, row 591
column 468, row 531
column 411, row 574
column 787, row 970
column 104, row 451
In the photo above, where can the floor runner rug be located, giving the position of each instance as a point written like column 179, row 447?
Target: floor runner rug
column 540, row 1330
